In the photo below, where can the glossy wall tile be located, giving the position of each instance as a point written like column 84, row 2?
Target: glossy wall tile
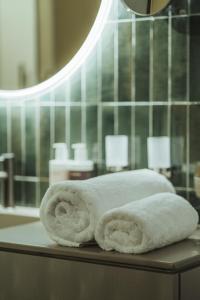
column 142, row 60
column 141, row 80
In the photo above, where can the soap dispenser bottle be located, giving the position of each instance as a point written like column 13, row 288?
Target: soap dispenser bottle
column 80, row 168
column 58, row 167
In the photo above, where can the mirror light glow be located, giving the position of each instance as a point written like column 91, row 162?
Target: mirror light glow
column 71, row 67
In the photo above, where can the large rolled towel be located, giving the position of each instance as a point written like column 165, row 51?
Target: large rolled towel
column 71, row 209
column 147, row 224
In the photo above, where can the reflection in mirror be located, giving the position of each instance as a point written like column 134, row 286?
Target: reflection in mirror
column 146, row 7
column 39, row 37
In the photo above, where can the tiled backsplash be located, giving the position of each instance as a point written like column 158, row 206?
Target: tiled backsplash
column 141, row 80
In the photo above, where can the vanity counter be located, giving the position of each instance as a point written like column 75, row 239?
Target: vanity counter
column 33, row 239
column 91, row 273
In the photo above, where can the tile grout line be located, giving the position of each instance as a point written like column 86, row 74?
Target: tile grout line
column 111, row 103
column 188, row 108
column 9, row 127
column 99, row 106
column 37, row 150
column 116, row 78
column 153, row 18
column 68, row 117
column 23, row 149
column 169, row 110
column 52, row 124
column 83, row 106
column 133, row 97
column 151, row 78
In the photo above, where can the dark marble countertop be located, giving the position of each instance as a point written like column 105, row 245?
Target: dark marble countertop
column 32, row 239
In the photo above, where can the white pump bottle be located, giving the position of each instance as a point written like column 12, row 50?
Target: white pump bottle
column 58, row 170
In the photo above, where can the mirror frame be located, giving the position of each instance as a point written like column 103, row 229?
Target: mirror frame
column 63, row 75
column 145, row 15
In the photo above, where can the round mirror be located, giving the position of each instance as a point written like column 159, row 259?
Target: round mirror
column 146, row 7
column 40, row 38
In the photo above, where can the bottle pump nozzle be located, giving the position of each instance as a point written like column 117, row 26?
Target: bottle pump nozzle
column 61, row 151
column 80, row 152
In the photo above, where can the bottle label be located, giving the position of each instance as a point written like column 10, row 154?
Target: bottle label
column 58, row 176
column 75, row 175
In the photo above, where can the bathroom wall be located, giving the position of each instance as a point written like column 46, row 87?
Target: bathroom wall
column 141, row 80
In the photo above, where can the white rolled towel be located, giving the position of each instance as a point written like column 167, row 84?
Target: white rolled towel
column 147, row 224
column 70, row 210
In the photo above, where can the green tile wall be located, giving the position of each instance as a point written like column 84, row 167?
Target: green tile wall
column 142, row 79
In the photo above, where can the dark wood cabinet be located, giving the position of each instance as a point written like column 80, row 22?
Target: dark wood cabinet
column 190, row 284
column 33, row 268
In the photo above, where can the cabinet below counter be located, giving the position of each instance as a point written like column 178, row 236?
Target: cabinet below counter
column 33, row 267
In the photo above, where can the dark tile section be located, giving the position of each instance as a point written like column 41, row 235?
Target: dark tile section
column 183, row 194
column 179, row 7
column 60, row 125
column 91, row 130
column 195, row 201
column 67, row 125
column 179, row 59
column 30, row 191
column 194, row 140
column 141, row 135
column 19, row 193
column 125, row 61
column 160, row 123
column 107, row 125
column 124, row 116
column 160, row 60
column 30, row 141
column 194, row 58
column 108, row 62
column 178, row 145
column 16, row 140
column 142, row 61
column 45, row 146
column 3, row 129
column 75, row 126
column 195, row 6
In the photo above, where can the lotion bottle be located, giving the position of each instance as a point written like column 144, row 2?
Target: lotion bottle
column 58, row 167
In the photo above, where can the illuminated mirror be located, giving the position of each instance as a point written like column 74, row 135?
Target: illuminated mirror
column 38, row 38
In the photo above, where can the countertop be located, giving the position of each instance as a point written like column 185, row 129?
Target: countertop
column 32, row 239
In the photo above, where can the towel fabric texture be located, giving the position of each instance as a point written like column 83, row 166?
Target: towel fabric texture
column 144, row 225
column 70, row 210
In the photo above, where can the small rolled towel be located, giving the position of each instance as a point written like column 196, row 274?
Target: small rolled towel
column 144, row 225
column 70, row 210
